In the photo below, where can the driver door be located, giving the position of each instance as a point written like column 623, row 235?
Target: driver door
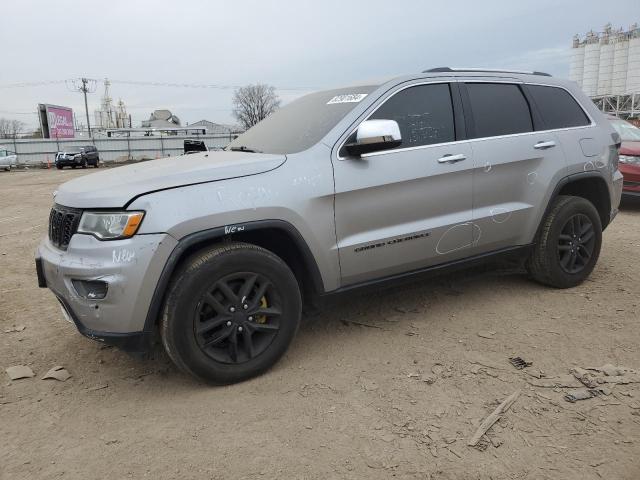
column 410, row 207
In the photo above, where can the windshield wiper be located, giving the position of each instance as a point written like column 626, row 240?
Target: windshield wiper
column 242, row 148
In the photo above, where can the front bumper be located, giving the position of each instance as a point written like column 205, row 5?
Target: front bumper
column 69, row 162
column 131, row 269
column 631, row 174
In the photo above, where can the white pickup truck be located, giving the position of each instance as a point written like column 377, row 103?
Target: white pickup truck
column 7, row 159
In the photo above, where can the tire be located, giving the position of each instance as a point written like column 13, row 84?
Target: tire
column 559, row 256
column 261, row 334
column 84, row 164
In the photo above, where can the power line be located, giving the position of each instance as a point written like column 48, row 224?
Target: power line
column 197, row 85
column 143, row 83
column 32, row 84
column 17, row 113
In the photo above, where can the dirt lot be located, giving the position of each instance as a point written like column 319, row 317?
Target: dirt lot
column 383, row 385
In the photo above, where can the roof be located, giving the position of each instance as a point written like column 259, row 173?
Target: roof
column 483, row 70
column 213, row 127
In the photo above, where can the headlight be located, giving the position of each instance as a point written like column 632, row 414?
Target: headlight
column 629, row 159
column 110, row 225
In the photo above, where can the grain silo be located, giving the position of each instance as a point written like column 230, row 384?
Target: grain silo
column 605, row 69
column 620, row 56
column 591, row 64
column 633, row 62
column 576, row 67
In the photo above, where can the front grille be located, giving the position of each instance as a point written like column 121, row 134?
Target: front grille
column 63, row 223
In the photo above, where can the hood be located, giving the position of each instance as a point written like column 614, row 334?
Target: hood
column 630, row 148
column 112, row 188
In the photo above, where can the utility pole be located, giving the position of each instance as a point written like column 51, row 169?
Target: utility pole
column 86, row 108
column 84, row 85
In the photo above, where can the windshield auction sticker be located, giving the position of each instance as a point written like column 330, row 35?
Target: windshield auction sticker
column 348, row 98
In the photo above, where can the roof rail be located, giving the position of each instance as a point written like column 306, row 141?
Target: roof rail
column 481, row 70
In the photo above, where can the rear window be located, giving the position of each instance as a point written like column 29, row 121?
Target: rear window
column 557, row 107
column 498, row 109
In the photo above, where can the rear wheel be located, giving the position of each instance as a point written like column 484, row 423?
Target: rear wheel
column 231, row 313
column 569, row 243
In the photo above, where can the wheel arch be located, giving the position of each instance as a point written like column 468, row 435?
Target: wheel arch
column 277, row 236
column 591, row 187
column 588, row 185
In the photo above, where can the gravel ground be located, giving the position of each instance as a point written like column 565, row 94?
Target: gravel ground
column 389, row 384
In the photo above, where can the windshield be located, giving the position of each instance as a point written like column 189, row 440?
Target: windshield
column 627, row 132
column 302, row 123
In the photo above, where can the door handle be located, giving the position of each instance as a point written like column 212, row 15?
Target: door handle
column 544, row 145
column 452, row 158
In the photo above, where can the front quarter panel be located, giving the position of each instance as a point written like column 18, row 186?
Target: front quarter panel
column 300, row 193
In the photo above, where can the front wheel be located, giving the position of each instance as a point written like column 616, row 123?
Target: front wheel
column 231, row 312
column 569, row 243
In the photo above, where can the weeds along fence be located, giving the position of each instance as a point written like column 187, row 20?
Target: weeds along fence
column 38, row 152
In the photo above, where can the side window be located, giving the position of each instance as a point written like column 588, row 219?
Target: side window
column 557, row 107
column 424, row 114
column 499, row 109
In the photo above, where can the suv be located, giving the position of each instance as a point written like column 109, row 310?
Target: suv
column 217, row 251
column 87, row 155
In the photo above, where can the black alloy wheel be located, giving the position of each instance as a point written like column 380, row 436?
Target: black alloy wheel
column 237, row 318
column 576, row 243
column 568, row 243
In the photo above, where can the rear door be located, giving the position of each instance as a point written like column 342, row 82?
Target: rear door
column 408, row 208
column 514, row 164
column 585, row 147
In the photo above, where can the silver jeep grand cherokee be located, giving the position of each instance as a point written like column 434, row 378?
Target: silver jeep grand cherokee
column 217, row 251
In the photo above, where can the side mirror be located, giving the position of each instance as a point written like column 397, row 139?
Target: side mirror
column 375, row 135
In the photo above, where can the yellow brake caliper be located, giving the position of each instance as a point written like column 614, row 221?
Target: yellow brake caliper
column 263, row 304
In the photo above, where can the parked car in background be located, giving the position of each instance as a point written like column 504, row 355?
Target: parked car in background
column 194, row 146
column 7, row 159
column 83, row 157
column 629, row 156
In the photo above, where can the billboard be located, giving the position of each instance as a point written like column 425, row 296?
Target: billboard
column 56, row 121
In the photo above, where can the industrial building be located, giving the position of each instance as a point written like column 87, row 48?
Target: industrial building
column 217, row 128
column 161, row 119
column 607, row 66
column 111, row 115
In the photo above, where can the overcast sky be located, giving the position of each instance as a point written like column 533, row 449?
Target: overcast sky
column 304, row 45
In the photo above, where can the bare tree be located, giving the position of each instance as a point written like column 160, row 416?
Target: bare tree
column 5, row 127
column 10, row 128
column 254, row 103
column 16, row 127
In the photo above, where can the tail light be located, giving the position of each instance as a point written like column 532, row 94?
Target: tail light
column 617, row 140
